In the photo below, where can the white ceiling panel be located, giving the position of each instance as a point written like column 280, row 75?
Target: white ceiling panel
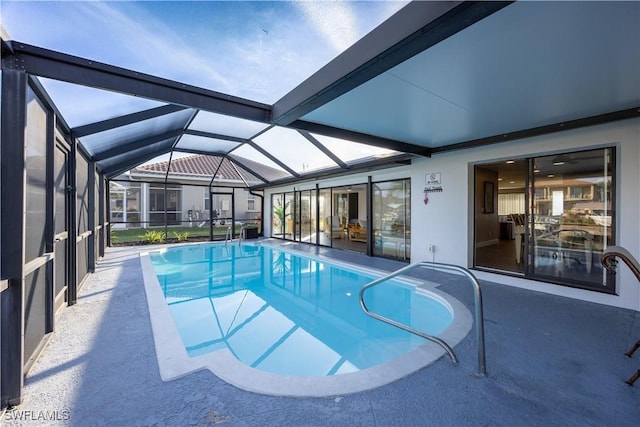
column 530, row 64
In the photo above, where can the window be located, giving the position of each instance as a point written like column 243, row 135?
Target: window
column 164, row 203
column 207, row 194
column 125, row 202
column 251, row 204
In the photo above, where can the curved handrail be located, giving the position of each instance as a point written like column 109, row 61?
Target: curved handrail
column 608, row 260
column 482, row 367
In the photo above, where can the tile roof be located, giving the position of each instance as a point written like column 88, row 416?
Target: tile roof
column 204, row 166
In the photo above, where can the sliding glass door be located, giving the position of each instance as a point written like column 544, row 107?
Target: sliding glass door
column 552, row 217
column 305, row 220
column 572, row 216
column 391, row 202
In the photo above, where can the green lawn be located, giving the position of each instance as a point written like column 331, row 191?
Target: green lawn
column 141, row 235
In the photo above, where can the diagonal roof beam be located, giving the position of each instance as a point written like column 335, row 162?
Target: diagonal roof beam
column 235, row 168
column 248, row 169
column 127, row 119
column 68, row 68
column 213, row 177
column 324, row 149
column 362, row 138
column 413, row 29
column 124, row 148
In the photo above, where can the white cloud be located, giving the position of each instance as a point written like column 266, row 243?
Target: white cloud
column 254, row 50
column 154, row 46
column 336, row 21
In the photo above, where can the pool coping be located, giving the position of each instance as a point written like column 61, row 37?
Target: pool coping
column 174, row 362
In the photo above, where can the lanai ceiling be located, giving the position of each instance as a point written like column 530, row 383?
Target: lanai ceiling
column 431, row 77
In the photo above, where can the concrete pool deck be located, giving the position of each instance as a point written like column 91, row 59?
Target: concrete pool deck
column 550, row 361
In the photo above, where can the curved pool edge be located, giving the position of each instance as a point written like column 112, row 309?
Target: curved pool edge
column 174, row 362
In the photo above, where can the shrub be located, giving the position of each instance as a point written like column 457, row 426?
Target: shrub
column 181, row 237
column 153, row 236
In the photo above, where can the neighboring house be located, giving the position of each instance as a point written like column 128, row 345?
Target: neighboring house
column 138, row 198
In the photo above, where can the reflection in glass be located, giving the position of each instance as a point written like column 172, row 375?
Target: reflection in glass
column 305, row 219
column 279, row 214
column 554, row 217
column 325, row 216
column 289, row 203
column 391, row 219
column 572, row 216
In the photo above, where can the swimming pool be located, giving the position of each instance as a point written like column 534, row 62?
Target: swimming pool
column 288, row 319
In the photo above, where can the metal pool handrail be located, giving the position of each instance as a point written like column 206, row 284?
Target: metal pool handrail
column 228, row 237
column 479, row 319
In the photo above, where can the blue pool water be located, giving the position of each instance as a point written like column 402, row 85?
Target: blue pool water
column 289, row 314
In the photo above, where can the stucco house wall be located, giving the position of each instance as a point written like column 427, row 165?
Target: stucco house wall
column 447, row 220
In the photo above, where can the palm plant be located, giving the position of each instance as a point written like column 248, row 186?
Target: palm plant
column 280, row 212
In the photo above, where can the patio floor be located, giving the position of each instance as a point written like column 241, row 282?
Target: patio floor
column 550, row 361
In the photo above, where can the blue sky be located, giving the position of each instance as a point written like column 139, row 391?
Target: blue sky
column 256, row 50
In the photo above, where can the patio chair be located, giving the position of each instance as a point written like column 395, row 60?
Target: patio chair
column 333, row 224
column 358, row 230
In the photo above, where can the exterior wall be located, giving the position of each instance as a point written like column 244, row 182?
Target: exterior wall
column 447, row 220
column 192, row 199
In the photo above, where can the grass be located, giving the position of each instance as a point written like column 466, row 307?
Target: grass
column 139, row 235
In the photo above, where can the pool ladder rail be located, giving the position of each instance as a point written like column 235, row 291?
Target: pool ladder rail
column 228, row 237
column 479, row 319
column 609, row 262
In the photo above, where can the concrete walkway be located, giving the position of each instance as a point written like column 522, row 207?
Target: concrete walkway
column 551, row 361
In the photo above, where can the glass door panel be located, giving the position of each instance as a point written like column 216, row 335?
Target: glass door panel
column 391, row 208
column 500, row 215
column 306, row 227
column 572, row 217
column 290, row 208
column 278, row 215
column 325, row 217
